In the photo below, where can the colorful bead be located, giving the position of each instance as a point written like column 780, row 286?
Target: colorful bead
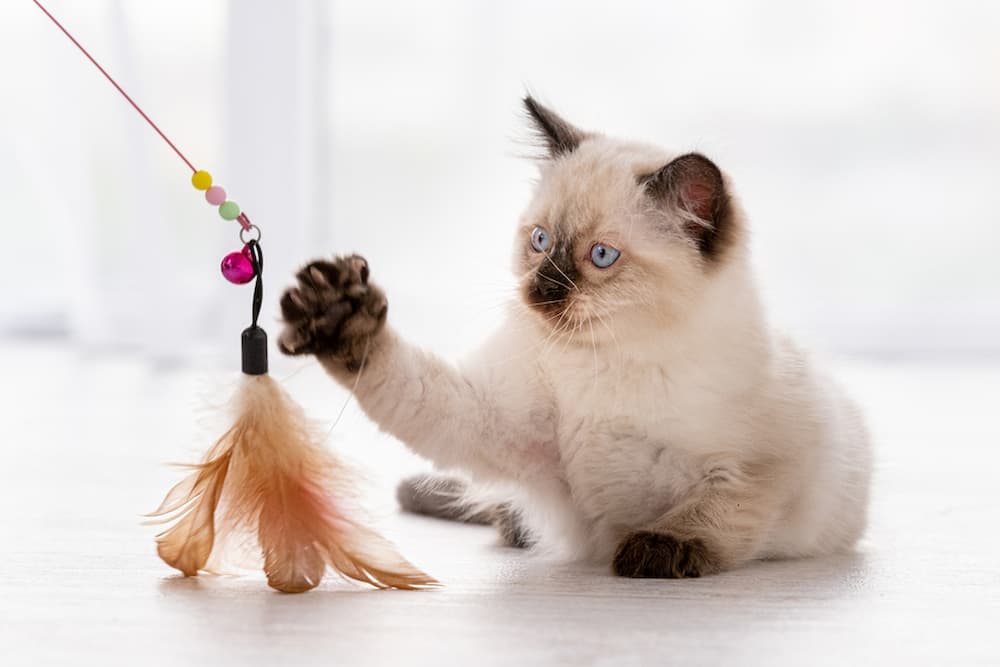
column 229, row 210
column 237, row 267
column 215, row 195
column 201, row 180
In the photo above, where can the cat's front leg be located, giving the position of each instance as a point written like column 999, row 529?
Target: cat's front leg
column 720, row 525
column 486, row 424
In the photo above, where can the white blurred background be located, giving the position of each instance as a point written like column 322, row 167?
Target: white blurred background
column 864, row 139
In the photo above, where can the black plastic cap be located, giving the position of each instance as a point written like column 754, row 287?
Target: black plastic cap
column 254, row 341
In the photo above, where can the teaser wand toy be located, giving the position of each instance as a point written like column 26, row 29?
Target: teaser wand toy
column 269, row 475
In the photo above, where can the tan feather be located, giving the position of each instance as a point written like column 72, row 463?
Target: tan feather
column 284, row 486
column 188, row 543
column 300, row 499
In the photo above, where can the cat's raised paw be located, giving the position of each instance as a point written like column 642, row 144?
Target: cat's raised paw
column 333, row 310
column 645, row 554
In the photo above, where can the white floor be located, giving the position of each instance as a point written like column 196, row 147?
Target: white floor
column 81, row 441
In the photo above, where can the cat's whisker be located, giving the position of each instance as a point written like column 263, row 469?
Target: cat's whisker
column 562, row 333
column 600, row 318
column 311, row 363
column 549, row 257
column 351, row 394
column 527, row 324
column 577, row 325
column 523, row 325
column 557, row 282
column 554, row 333
column 593, row 345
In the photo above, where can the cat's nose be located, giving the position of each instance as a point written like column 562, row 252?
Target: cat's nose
column 550, row 288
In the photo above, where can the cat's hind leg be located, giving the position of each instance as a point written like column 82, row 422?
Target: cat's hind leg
column 441, row 497
column 450, row 498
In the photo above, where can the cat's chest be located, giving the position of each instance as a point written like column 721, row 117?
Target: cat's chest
column 622, row 442
column 599, row 397
column 675, row 403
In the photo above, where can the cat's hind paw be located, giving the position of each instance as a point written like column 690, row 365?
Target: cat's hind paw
column 333, row 310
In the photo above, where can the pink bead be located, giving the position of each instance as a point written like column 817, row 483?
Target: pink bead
column 215, row 195
column 237, row 267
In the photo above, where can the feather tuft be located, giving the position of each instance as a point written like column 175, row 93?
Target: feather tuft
column 269, row 476
column 191, row 504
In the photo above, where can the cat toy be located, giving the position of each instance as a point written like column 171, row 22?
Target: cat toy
column 268, row 477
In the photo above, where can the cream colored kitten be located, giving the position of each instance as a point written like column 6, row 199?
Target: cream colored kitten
column 637, row 401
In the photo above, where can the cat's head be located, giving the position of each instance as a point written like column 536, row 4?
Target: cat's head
column 619, row 231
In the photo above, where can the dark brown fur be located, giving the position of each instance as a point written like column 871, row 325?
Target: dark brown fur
column 645, row 554
column 512, row 530
column 558, row 136
column 693, row 183
column 553, row 280
column 443, row 497
column 333, row 312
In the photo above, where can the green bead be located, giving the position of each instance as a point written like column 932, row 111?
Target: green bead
column 229, row 210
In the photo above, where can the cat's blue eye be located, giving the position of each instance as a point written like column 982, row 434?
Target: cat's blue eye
column 540, row 239
column 603, row 256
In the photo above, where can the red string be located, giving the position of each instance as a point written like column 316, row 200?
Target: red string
column 115, row 84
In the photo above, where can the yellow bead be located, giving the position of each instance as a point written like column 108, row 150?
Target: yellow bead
column 201, row 180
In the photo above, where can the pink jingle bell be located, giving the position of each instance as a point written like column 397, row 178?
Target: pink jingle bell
column 237, row 267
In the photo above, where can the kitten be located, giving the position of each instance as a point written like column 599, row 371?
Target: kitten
column 637, row 399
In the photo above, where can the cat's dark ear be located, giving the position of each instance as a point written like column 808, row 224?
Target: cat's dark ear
column 694, row 186
column 557, row 135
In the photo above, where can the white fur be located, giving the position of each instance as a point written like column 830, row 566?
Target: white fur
column 676, row 409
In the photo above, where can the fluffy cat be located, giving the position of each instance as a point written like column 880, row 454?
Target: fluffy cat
column 636, row 402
